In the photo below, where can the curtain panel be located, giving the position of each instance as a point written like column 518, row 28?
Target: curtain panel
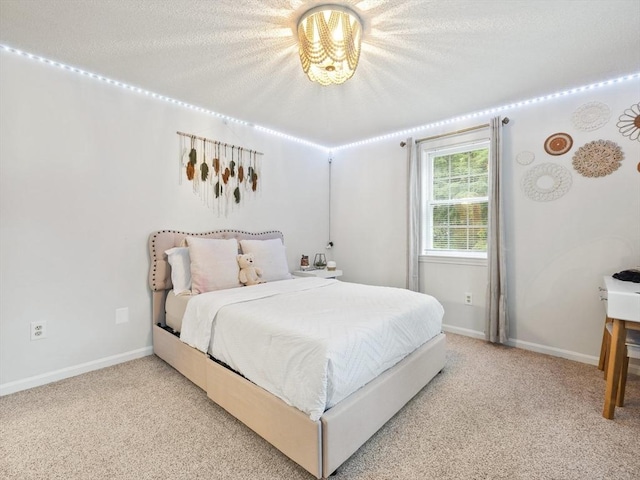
column 413, row 234
column 496, row 320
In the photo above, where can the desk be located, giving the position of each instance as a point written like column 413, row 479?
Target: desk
column 623, row 307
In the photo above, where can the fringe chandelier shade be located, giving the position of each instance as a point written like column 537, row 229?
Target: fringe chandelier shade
column 330, row 38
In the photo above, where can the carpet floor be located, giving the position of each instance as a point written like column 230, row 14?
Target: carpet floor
column 493, row 413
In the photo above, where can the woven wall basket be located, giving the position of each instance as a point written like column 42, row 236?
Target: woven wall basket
column 598, row 158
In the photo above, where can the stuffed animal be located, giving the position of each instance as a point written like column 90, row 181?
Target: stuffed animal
column 249, row 275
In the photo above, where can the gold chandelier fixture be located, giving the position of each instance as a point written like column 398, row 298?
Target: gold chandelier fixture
column 330, row 37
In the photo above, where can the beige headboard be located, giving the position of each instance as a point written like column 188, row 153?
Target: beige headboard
column 160, row 271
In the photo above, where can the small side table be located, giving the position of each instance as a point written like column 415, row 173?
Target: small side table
column 324, row 273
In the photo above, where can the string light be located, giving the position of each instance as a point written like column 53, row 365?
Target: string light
column 156, row 96
column 490, row 111
column 226, row 118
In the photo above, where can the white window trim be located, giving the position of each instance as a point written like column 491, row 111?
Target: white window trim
column 454, row 259
column 460, row 257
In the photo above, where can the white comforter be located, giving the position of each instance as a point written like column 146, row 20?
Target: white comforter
column 310, row 341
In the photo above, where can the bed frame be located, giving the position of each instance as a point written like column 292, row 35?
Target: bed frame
column 320, row 447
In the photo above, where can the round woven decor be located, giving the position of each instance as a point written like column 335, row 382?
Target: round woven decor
column 598, row 158
column 558, row 144
column 629, row 122
column 525, row 157
column 591, row 116
column 546, row 182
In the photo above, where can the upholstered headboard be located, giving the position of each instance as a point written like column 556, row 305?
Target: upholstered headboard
column 160, row 271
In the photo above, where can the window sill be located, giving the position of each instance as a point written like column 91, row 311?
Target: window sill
column 454, row 260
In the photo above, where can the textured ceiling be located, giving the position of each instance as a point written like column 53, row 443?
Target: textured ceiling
column 421, row 61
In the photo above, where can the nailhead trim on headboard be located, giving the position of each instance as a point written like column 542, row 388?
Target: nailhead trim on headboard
column 222, row 234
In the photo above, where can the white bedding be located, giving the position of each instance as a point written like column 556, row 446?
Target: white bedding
column 175, row 306
column 310, row 341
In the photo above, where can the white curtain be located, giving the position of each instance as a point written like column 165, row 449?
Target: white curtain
column 413, row 234
column 496, row 321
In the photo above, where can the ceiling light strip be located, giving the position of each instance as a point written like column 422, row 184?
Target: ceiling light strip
column 510, row 106
column 157, row 96
column 490, row 111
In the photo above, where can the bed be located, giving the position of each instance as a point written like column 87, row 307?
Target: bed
column 319, row 441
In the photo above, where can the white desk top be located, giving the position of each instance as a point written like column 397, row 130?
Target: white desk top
column 623, row 299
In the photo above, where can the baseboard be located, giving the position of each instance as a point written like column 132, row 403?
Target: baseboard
column 556, row 352
column 43, row 379
column 536, row 347
column 467, row 332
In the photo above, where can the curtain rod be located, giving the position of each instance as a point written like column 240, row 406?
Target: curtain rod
column 505, row 120
column 218, row 143
column 457, row 132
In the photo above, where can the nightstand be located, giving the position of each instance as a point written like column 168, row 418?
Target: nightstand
column 320, row 273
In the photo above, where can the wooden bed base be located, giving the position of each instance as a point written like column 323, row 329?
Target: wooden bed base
column 319, row 447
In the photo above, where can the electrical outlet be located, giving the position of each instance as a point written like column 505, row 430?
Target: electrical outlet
column 122, row 315
column 38, row 330
column 468, row 298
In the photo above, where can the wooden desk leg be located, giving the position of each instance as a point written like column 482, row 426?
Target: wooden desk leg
column 604, row 349
column 616, row 351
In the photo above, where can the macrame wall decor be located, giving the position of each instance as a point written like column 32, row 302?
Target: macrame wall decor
column 629, row 122
column 558, row 144
column 525, row 157
column 591, row 116
column 546, row 182
column 598, row 158
column 222, row 175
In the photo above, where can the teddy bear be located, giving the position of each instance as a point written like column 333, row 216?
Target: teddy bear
column 249, row 275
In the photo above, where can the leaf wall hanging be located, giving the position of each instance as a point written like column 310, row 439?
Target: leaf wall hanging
column 232, row 164
column 216, row 175
column 191, row 166
column 204, row 168
column 216, row 161
column 240, row 167
column 193, row 156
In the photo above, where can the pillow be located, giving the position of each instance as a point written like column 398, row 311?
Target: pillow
column 213, row 264
column 178, row 258
column 270, row 256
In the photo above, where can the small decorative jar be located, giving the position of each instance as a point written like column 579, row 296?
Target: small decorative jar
column 320, row 260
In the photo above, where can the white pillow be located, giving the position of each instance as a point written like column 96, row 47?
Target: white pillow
column 270, row 256
column 178, row 258
column 213, row 264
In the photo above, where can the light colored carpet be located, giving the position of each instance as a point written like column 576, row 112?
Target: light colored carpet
column 493, row 413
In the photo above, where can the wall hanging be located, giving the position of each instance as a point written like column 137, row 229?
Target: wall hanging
column 546, row 182
column 221, row 174
column 525, row 157
column 591, row 116
column 558, row 144
column 629, row 122
column 598, row 158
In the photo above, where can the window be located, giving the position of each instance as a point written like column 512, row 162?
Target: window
column 455, row 200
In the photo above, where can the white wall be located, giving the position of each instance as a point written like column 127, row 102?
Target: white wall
column 557, row 251
column 87, row 172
